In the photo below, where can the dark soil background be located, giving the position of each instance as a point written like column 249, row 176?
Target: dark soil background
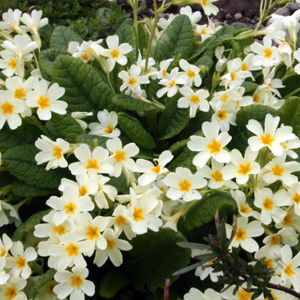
column 230, row 11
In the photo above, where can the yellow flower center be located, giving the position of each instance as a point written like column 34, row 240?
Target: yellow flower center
column 85, row 57
column 110, row 244
column 72, row 250
column 132, row 81
column 156, row 169
column 195, row 99
column 222, row 115
column 49, row 288
column 277, row 171
column 244, row 169
column 171, row 84
column 204, row 2
column 266, row 139
column 268, row 262
column 92, row 164
column 19, row 94
column 244, row 208
column 76, row 280
column 120, row 220
column 256, row 98
column 57, row 152
column 275, row 240
column 10, row 293
column 214, row 147
column 224, row 98
column 296, row 198
column 7, row 108
column 60, row 229
column 92, row 233
column 288, row 219
column 288, row 270
column 217, row 176
column 268, row 53
column 164, row 73
column 185, row 186
column 109, row 129
column 119, row 155
column 240, row 234
column 20, row 262
column 115, row 54
column 70, row 208
column 268, row 204
column 204, row 31
column 244, row 67
column 12, row 64
column 191, row 74
column 233, row 76
column 138, row 214
column 43, row 102
column 3, row 252
column 244, row 295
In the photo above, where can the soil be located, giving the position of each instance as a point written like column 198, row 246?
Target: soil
column 230, row 11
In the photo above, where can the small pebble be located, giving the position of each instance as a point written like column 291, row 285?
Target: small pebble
column 285, row 12
column 238, row 16
column 294, row 6
column 228, row 16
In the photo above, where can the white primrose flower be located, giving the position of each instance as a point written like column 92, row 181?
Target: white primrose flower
column 5, row 245
column 194, row 100
column 45, row 292
column 192, row 72
column 194, row 17
column 285, row 52
column 8, row 214
column 170, row 83
column 241, row 167
column 195, row 294
column 11, row 21
column 52, row 152
column 266, row 54
column 79, row 115
column 112, row 251
column 13, row 287
column 184, row 185
column 35, row 21
column 241, row 293
column 211, row 145
column 46, row 99
column 271, row 136
column 115, row 52
column 10, row 108
column 121, row 156
column 18, row 261
column 91, row 162
column 244, row 234
column 73, row 284
column 132, row 80
column 226, row 115
column 270, row 83
column 208, row 7
column 164, row 65
column 297, row 57
column 69, row 205
column 8, row 63
column 150, row 170
column 107, row 124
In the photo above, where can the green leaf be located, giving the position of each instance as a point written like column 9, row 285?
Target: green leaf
column 109, row 290
column 176, row 39
column 21, row 163
column 135, row 131
column 67, row 126
column 205, row 210
column 289, row 114
column 28, row 133
column 28, row 225
column 173, row 120
column 185, row 160
column 240, row 134
column 155, row 257
column 62, row 36
column 22, row 189
column 130, row 103
column 46, row 59
column 91, row 139
column 42, row 280
column 205, row 64
column 84, row 89
column 249, row 86
column 143, row 37
column 178, row 145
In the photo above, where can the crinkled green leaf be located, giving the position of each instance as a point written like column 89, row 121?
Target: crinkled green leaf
column 178, row 145
column 21, row 163
column 41, row 281
column 135, row 131
column 91, row 139
column 184, row 159
column 205, row 64
column 62, row 36
column 249, row 86
column 240, row 134
column 176, row 39
column 109, row 290
column 46, row 59
column 22, row 189
column 130, row 103
column 155, row 257
column 120, row 183
column 28, row 225
column 289, row 114
column 27, row 133
column 67, row 126
column 84, row 89
column 205, row 210
column 291, row 85
column 173, row 120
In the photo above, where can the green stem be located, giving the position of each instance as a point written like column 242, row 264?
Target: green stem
column 136, row 28
column 292, row 93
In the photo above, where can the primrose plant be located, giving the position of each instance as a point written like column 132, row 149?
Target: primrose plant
column 117, row 151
